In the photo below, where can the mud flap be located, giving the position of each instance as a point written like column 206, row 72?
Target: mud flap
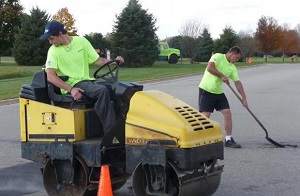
column 154, row 166
column 62, row 159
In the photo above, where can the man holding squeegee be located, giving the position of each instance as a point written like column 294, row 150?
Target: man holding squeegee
column 220, row 69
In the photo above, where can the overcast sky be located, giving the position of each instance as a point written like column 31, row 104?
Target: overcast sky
column 99, row 15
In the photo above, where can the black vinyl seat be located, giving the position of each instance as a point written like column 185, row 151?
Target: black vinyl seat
column 55, row 95
column 43, row 91
column 37, row 90
column 67, row 100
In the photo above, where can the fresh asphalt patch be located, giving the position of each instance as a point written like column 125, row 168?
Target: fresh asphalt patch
column 21, row 179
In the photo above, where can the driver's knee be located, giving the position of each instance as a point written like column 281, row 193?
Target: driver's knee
column 102, row 91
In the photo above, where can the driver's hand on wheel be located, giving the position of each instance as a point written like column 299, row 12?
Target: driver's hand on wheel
column 119, row 58
column 76, row 93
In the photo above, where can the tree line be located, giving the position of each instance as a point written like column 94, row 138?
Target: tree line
column 270, row 38
column 134, row 36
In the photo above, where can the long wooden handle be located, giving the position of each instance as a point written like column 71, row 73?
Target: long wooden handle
column 252, row 114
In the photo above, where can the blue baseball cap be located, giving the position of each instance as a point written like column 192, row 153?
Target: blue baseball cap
column 52, row 28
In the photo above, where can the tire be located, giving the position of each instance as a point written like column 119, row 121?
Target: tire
column 79, row 185
column 173, row 59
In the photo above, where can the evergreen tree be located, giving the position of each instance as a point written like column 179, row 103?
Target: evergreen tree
column 134, row 36
column 206, row 46
column 28, row 48
column 227, row 39
column 10, row 20
column 98, row 42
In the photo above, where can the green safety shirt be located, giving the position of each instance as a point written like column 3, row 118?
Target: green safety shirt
column 72, row 60
column 212, row 83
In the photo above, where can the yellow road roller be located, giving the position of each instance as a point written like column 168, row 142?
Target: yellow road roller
column 164, row 144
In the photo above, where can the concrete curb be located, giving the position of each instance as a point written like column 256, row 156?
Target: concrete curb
column 8, row 101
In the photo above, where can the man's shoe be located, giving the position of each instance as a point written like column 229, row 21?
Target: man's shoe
column 232, row 144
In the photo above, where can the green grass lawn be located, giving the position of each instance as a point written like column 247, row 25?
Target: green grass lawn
column 13, row 76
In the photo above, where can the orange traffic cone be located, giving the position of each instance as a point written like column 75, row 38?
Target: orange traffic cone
column 250, row 60
column 104, row 188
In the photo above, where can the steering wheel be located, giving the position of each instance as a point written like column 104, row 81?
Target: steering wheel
column 110, row 73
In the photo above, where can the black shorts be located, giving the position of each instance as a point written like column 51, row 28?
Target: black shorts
column 209, row 101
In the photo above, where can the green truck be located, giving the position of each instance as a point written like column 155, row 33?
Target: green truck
column 168, row 54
